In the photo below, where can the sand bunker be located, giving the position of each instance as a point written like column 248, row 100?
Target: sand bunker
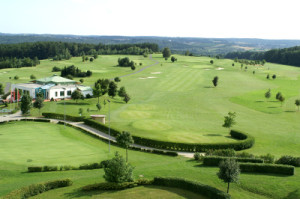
column 219, row 68
column 147, row 77
column 156, row 73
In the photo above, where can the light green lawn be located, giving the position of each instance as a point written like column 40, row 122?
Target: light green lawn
column 181, row 105
column 43, row 141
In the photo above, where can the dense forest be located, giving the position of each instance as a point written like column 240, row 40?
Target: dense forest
column 28, row 54
column 197, row 46
column 44, row 50
column 287, row 56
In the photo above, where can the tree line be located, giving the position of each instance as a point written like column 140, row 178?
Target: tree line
column 18, row 63
column 44, row 50
column 287, row 56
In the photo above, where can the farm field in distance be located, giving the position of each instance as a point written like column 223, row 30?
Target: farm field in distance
column 177, row 102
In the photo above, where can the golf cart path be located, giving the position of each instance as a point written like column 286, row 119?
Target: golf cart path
column 17, row 116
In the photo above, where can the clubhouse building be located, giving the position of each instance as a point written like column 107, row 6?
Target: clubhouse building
column 54, row 87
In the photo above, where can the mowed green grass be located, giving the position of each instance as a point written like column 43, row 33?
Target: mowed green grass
column 51, row 139
column 178, row 102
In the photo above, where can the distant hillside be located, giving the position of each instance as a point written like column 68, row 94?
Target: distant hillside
column 287, row 56
column 197, row 46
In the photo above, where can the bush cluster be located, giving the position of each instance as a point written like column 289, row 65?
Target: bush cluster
column 90, row 166
column 36, row 189
column 116, row 186
column 196, row 187
column 289, row 160
column 221, row 152
column 267, row 168
column 215, row 160
column 61, row 117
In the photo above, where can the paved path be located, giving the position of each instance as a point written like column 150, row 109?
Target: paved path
column 18, row 116
column 142, row 69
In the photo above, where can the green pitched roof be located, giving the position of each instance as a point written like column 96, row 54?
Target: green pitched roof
column 55, row 79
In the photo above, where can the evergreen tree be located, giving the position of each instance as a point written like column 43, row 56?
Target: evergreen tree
column 215, row 81
column 112, row 89
column 39, row 103
column 26, row 103
column 166, row 53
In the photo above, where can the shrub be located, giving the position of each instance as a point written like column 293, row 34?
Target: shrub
column 268, row 158
column 104, row 163
column 245, row 155
column 221, row 152
column 88, row 96
column 36, row 189
column 56, row 69
column 61, row 117
column 196, row 187
column 289, row 160
column 109, row 186
column 90, row 166
column 197, row 156
column 35, row 169
column 50, row 168
column 215, row 160
column 267, row 168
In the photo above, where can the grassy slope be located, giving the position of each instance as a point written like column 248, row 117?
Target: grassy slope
column 181, row 105
column 72, row 147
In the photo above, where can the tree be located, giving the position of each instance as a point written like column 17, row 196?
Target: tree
column 211, row 61
column 125, row 140
column 81, row 80
column 274, row 76
column 80, row 111
column 26, row 103
column 253, row 72
column 112, row 89
column 268, row 76
column 98, row 106
column 281, row 99
column 97, row 91
column 278, row 95
column 166, row 53
column 215, row 81
column 126, row 98
column 118, row 171
column 229, row 120
column 32, row 77
column 76, row 95
column 122, row 92
column 173, row 59
column 229, row 171
column 117, row 79
column 232, row 64
column 16, row 77
column 268, row 94
column 297, row 102
column 187, row 53
column 133, row 67
column 1, row 89
column 39, row 103
column 91, row 59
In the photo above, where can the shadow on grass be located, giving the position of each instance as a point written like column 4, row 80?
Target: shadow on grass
column 208, row 87
column 273, row 107
column 212, row 134
column 72, row 103
column 290, row 111
column 78, row 193
column 293, row 195
column 259, row 101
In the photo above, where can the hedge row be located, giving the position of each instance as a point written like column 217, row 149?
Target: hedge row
column 61, row 117
column 35, row 120
column 90, row 166
column 36, row 189
column 169, row 153
column 196, row 187
column 245, row 141
column 267, row 168
column 116, row 186
column 215, row 160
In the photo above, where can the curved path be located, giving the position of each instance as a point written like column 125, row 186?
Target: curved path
column 142, row 69
column 17, row 116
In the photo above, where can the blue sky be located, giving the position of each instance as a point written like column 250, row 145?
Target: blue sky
column 267, row 19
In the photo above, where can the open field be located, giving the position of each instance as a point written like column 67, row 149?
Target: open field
column 179, row 103
column 13, row 165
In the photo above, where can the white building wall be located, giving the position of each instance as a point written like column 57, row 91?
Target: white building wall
column 30, row 90
column 84, row 93
column 58, row 90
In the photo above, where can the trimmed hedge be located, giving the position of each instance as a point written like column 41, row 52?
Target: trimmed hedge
column 289, row 160
column 245, row 141
column 215, row 160
column 61, row 117
column 195, row 187
column 267, row 168
column 35, row 120
column 36, row 189
column 35, row 169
